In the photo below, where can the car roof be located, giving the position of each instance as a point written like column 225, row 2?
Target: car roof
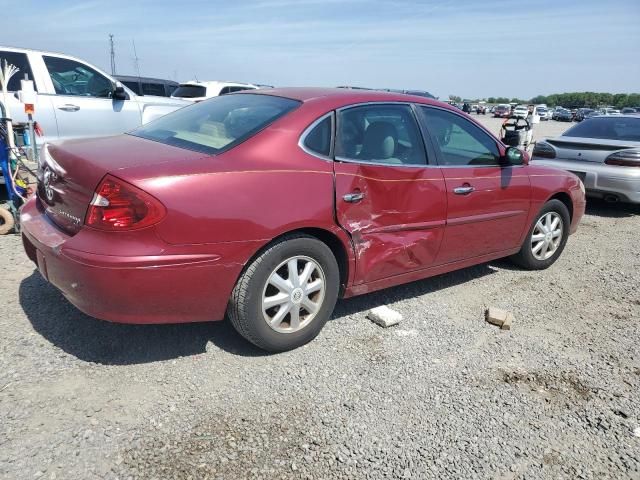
column 216, row 83
column 135, row 78
column 305, row 94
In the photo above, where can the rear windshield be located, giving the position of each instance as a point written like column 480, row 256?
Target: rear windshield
column 217, row 124
column 610, row 128
column 190, row 91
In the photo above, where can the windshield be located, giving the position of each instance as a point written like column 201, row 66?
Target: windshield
column 610, row 128
column 190, row 91
column 217, row 124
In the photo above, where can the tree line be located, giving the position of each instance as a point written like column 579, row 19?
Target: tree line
column 570, row 99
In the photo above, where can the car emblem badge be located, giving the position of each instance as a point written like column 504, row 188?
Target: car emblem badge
column 296, row 295
column 49, row 178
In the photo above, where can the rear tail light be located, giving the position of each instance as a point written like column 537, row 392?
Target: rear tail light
column 119, row 206
column 624, row 158
column 543, row 150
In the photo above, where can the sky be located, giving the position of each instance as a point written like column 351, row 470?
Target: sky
column 469, row 48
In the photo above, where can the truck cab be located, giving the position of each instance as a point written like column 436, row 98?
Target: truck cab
column 75, row 99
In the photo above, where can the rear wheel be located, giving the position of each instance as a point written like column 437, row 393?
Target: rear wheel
column 286, row 295
column 546, row 238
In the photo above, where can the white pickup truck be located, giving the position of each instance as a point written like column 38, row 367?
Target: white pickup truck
column 76, row 99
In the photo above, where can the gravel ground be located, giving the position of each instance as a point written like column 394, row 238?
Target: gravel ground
column 442, row 395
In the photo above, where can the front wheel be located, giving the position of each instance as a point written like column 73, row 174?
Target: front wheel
column 286, row 295
column 546, row 238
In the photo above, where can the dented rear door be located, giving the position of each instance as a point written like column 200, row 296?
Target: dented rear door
column 398, row 224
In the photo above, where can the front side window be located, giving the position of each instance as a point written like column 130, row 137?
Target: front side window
column 21, row 62
column 74, row 78
column 217, row 124
column 318, row 140
column 380, row 134
column 460, row 142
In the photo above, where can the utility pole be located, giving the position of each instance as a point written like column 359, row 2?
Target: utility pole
column 113, row 55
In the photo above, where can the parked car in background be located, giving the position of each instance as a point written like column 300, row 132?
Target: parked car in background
column 147, row 85
column 542, row 113
column 582, row 113
column 502, row 111
column 76, row 99
column 604, row 151
column 418, row 93
column 563, row 115
column 520, row 111
column 198, row 91
column 318, row 189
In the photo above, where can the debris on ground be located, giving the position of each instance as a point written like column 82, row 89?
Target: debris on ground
column 499, row 317
column 384, row 316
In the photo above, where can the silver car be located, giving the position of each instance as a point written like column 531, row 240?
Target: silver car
column 604, row 151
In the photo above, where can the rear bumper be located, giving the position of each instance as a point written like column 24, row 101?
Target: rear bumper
column 171, row 288
column 602, row 180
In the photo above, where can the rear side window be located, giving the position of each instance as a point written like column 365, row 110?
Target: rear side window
column 153, row 89
column 608, row 128
column 318, row 140
column 20, row 61
column 133, row 86
column 460, row 142
column 379, row 134
column 190, row 91
column 217, row 124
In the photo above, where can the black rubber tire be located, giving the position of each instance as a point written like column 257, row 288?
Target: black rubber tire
column 245, row 305
column 6, row 221
column 524, row 258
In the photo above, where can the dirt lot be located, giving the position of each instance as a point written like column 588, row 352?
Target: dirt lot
column 442, row 395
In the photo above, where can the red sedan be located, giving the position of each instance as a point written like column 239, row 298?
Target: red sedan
column 267, row 206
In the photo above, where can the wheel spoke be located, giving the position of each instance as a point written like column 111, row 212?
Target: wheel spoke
column 274, row 300
column 295, row 317
column 537, row 248
column 292, row 266
column 309, row 306
column 280, row 283
column 557, row 233
column 313, row 286
column 537, row 237
column 276, row 320
column 554, row 223
column 306, row 273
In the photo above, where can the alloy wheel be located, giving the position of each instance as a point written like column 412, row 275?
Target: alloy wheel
column 293, row 294
column 546, row 236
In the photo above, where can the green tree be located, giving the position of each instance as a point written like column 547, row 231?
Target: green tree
column 455, row 98
column 539, row 99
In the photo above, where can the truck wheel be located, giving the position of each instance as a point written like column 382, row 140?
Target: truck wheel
column 6, row 221
column 546, row 238
column 286, row 295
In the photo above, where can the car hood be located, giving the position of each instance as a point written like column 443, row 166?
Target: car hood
column 162, row 101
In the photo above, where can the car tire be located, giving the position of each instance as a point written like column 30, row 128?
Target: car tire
column 249, row 310
column 553, row 242
column 6, row 221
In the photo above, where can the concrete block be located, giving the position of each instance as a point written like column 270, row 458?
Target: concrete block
column 384, row 316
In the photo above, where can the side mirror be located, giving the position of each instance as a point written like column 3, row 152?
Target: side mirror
column 515, row 156
column 119, row 93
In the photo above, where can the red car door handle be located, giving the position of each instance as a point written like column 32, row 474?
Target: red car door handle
column 353, row 197
column 465, row 190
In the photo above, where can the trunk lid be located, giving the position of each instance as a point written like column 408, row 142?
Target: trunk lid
column 594, row 150
column 71, row 171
